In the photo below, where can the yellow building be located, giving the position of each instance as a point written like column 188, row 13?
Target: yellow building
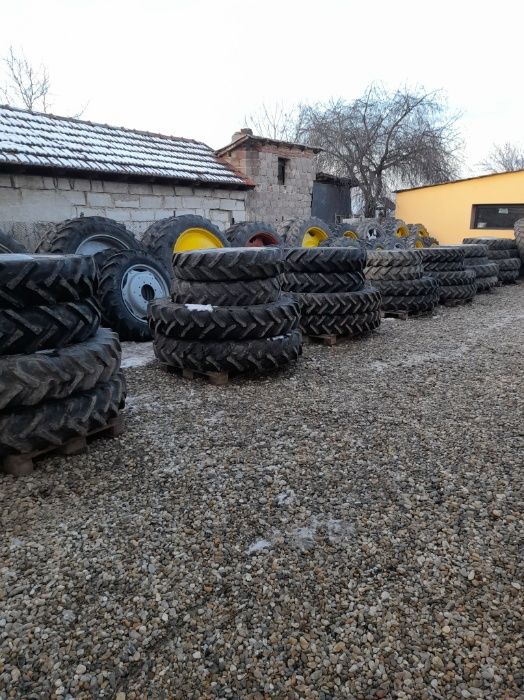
column 487, row 205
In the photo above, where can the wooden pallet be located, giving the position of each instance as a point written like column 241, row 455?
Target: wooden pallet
column 214, row 378
column 328, row 340
column 404, row 315
column 456, row 302
column 23, row 464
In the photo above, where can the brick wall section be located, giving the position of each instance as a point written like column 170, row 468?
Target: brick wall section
column 29, row 203
column 270, row 201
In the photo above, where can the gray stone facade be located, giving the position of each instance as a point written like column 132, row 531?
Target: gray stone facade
column 271, row 201
column 29, row 203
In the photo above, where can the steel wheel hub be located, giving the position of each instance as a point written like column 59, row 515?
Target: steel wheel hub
column 140, row 285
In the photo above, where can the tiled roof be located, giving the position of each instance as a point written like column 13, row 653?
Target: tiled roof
column 245, row 139
column 36, row 140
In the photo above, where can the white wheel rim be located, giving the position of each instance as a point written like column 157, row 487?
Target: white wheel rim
column 140, row 285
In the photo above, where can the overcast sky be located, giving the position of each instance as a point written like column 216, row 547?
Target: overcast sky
column 196, row 68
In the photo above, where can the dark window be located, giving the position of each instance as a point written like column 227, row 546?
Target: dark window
column 282, row 171
column 496, row 215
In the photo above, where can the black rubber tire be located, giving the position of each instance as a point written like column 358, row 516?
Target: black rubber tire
column 53, row 422
column 9, row 244
column 475, row 250
column 228, row 264
column 36, row 280
column 393, row 258
column 502, row 254
column 410, row 304
column 341, row 325
column 130, row 322
column 363, row 301
column 486, row 283
column 519, row 237
column 319, row 282
column 323, row 259
column 488, row 269
column 450, row 266
column 493, row 243
column 453, row 278
column 409, row 272
column 507, row 276
column 441, row 254
column 43, row 327
column 255, row 234
column 293, row 231
column 68, row 236
column 347, row 230
column 259, row 355
column 391, row 226
column 239, row 293
column 26, row 380
column 419, row 287
column 509, row 264
column 161, row 237
column 460, row 291
column 370, row 231
column 341, row 243
column 221, row 323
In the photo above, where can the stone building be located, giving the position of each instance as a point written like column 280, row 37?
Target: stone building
column 283, row 174
column 55, row 168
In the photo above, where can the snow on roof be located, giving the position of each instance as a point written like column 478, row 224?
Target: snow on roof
column 32, row 139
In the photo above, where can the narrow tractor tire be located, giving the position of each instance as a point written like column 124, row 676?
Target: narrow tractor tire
column 486, row 283
column 509, row 264
column 54, row 422
column 260, row 355
column 318, row 282
column 340, row 325
column 454, row 277
column 239, row 293
column 488, row 269
column 26, row 380
column 460, row 291
column 409, row 272
column 360, row 302
column 493, row 243
column 36, row 280
column 450, row 266
column 519, row 238
column 223, row 323
column 323, row 259
column 410, row 304
column 508, row 276
column 442, row 254
column 393, row 258
column 228, row 264
column 422, row 286
column 43, row 327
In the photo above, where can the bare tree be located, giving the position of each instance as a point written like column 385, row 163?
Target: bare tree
column 25, row 85
column 384, row 141
column 504, row 157
column 276, row 121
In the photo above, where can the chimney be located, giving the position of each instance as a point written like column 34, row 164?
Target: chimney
column 243, row 132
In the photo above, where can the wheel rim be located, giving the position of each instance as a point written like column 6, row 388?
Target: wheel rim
column 402, row 232
column 419, row 243
column 196, row 239
column 96, row 244
column 350, row 234
column 313, row 237
column 261, row 240
column 140, row 285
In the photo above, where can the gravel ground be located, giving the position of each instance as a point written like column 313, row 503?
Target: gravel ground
column 348, row 528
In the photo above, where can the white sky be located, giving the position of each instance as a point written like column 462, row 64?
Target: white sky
column 196, row 68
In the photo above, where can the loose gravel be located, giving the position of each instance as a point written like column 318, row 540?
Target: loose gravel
column 347, row 528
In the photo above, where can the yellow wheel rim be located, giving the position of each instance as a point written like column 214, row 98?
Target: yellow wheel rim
column 196, row 239
column 350, row 234
column 402, row 232
column 419, row 243
column 313, row 237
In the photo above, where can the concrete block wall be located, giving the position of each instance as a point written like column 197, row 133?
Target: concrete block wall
column 29, row 203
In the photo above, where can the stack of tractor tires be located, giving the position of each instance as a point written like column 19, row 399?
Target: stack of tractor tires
column 59, row 373
column 446, row 265
column 519, row 238
column 486, row 271
column 399, row 277
column 328, row 283
column 226, row 313
column 503, row 252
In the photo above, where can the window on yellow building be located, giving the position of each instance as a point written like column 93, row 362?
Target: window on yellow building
column 495, row 216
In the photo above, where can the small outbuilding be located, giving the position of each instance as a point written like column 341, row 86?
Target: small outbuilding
column 487, row 205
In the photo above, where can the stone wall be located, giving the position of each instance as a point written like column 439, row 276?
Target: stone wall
column 29, row 203
column 270, row 201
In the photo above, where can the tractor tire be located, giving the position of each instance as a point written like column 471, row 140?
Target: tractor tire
column 370, row 231
column 181, row 233
column 410, row 304
column 460, row 291
column 222, row 323
column 239, row 293
column 508, row 276
column 128, row 282
column 253, row 234
column 452, row 266
column 361, row 302
column 475, row 250
column 493, row 243
column 393, row 258
column 344, row 231
column 414, row 242
column 318, row 282
column 43, row 280
column 502, row 254
column 454, row 277
column 324, row 260
column 9, row 244
column 258, row 355
column 484, row 270
column 418, row 230
column 43, row 327
column 87, row 235
column 53, row 422
column 341, row 243
column 409, row 272
column 395, row 227
column 304, row 233
column 26, row 380
column 228, row 264
column 519, row 238
column 509, row 264
column 442, row 254
column 486, row 283
column 341, row 325
column 422, row 286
